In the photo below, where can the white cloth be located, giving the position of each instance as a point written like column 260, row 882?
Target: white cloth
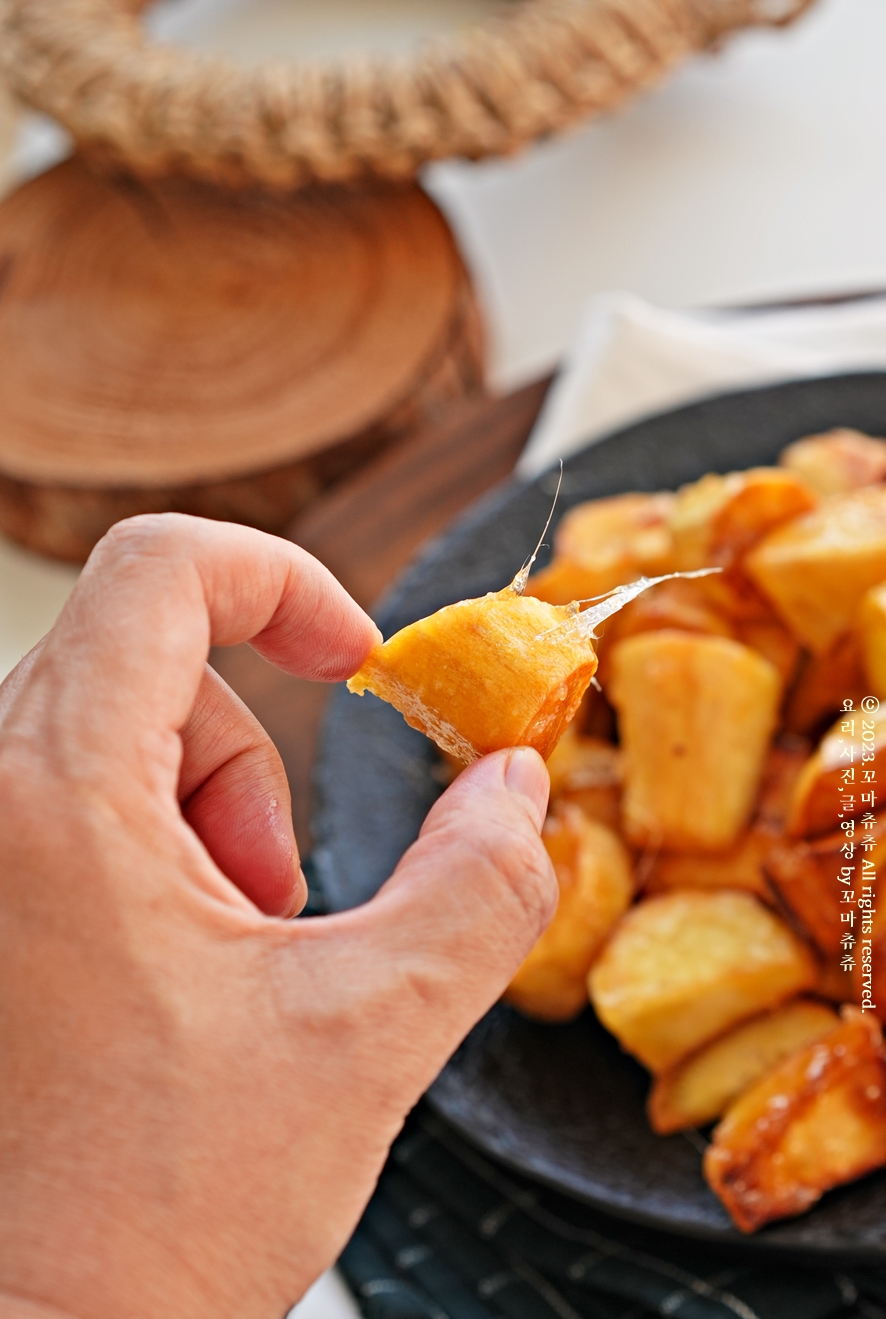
column 631, row 359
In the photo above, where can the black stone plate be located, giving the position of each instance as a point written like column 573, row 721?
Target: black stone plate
column 563, row 1104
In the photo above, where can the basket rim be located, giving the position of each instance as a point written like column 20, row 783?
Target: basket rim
column 534, row 69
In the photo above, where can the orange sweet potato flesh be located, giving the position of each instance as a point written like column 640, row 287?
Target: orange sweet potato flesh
column 485, row 674
column 815, row 1121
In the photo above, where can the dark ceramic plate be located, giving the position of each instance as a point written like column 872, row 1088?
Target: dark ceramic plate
column 564, row 1104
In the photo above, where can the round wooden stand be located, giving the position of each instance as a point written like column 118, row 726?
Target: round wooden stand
column 171, row 346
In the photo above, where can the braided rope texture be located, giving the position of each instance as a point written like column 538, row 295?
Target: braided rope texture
column 533, row 69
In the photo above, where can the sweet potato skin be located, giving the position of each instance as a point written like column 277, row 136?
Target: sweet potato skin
column 817, row 1120
column 821, row 799
column 824, row 682
column 702, row 1087
column 596, row 886
column 686, row 789
column 681, row 968
column 810, row 878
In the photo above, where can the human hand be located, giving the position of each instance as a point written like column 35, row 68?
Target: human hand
column 197, row 1095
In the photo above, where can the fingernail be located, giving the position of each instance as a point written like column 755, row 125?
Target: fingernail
column 527, row 776
column 299, row 895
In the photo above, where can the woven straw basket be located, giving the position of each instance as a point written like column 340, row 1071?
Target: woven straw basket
column 535, row 68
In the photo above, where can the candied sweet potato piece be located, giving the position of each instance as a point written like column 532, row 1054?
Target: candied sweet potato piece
column 872, row 638
column 703, row 1086
column 776, row 643
column 484, row 674
column 808, row 880
column 594, row 873
column 816, row 569
column 782, row 767
column 587, row 772
column 742, row 866
column 824, row 683
column 682, row 968
column 820, row 799
column 817, row 1120
column 836, row 461
column 677, row 604
column 695, row 716
column 718, row 518
column 604, row 543
column 739, row 867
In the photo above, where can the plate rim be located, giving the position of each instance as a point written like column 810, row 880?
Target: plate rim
column 388, row 606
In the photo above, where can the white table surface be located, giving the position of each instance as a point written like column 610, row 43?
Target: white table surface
column 754, row 174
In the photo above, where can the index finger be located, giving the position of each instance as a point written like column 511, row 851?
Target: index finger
column 126, row 656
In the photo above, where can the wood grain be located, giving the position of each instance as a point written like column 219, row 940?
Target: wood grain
column 366, row 531
column 170, row 345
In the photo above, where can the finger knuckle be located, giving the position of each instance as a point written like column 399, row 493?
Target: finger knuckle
column 515, row 860
column 147, row 533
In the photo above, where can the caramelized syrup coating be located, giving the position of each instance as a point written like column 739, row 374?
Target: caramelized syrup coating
column 815, row 1121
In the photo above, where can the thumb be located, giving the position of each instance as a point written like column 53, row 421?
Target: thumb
column 466, row 903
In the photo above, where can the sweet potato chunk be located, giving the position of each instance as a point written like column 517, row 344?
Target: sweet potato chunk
column 594, row 873
column 816, row 569
column 739, row 867
column 742, row 866
column 684, row 967
column 679, row 604
column 834, row 984
column 604, row 543
column 782, row 767
column 817, row 1120
column 703, row 1086
column 837, row 461
column 872, row 637
column 587, row 772
column 484, row 674
column 695, row 716
column 719, row 518
column 771, row 639
column 810, row 878
column 821, row 799
column 825, row 682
